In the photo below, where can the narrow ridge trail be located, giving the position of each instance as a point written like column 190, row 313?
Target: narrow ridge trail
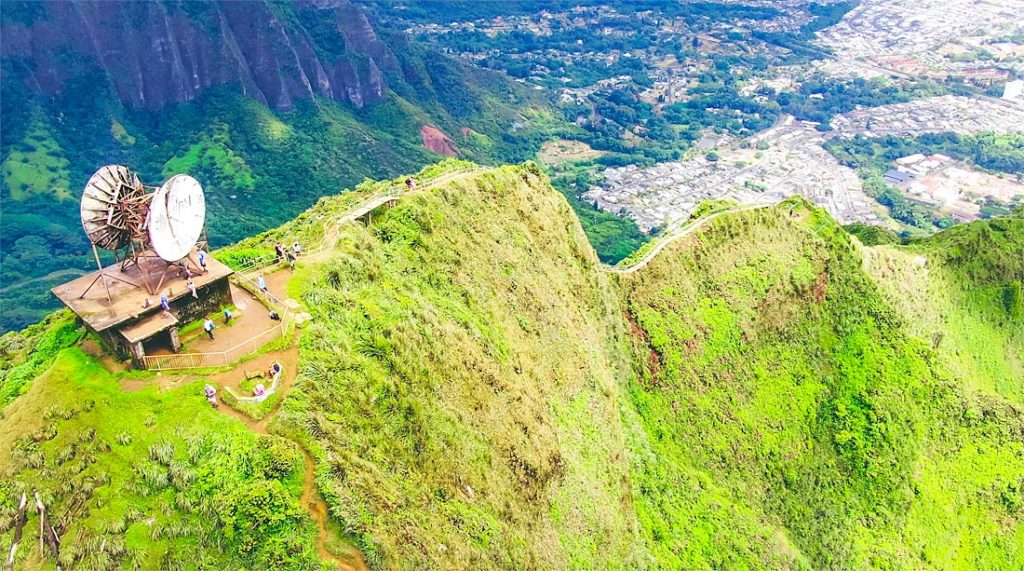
column 310, row 497
column 674, row 236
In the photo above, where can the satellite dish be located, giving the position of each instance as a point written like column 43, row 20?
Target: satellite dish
column 176, row 216
column 113, row 207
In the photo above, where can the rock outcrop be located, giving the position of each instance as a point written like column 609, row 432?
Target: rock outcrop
column 154, row 53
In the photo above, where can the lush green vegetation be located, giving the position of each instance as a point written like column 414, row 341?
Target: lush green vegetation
column 148, row 478
column 959, row 292
column 613, row 237
column 26, row 354
column 774, row 368
column 820, row 98
column 872, row 235
column 259, row 167
column 478, row 394
column 781, row 417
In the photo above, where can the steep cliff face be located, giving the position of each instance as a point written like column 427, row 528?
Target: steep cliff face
column 155, row 53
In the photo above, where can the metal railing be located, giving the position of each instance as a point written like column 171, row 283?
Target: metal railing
column 213, row 359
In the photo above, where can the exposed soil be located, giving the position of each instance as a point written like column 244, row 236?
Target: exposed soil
column 437, row 141
column 251, row 318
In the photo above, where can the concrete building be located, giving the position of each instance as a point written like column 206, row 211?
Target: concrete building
column 132, row 321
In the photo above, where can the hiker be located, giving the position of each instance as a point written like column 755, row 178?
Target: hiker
column 278, row 252
column 291, row 259
column 274, row 316
column 274, row 370
column 166, row 305
column 259, row 391
column 410, row 183
column 202, row 260
column 262, row 283
column 227, row 316
column 297, row 249
column 208, row 327
column 211, row 395
column 192, row 288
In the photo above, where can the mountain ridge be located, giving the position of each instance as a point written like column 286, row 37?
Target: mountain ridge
column 748, row 398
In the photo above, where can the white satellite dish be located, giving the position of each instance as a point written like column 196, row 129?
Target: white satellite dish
column 176, row 216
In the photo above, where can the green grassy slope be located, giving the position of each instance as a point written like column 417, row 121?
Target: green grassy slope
column 147, row 478
column 479, row 394
column 960, row 292
column 774, row 367
column 475, row 345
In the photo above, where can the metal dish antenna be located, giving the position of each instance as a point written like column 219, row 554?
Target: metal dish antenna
column 114, row 207
column 176, row 216
column 138, row 225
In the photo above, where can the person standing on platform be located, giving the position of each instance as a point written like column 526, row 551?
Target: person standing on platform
column 202, row 260
column 208, row 327
column 278, row 252
column 192, row 288
column 165, row 304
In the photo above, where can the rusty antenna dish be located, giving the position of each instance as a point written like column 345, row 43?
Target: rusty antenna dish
column 176, row 216
column 114, row 207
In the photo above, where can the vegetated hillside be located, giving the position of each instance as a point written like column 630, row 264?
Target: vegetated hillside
column 270, row 105
column 459, row 383
column 778, row 412
column 776, row 373
column 479, row 394
column 960, row 292
column 135, row 473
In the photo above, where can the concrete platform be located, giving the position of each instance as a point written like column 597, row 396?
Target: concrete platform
column 127, row 301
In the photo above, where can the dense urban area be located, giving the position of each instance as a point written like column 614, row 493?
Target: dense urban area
column 752, row 101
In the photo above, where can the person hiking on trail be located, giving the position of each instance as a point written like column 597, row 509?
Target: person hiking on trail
column 262, row 283
column 192, row 288
column 297, row 249
column 291, row 259
column 208, row 327
column 274, row 316
column 211, row 395
column 202, row 260
column 278, row 252
column 410, row 183
column 227, row 316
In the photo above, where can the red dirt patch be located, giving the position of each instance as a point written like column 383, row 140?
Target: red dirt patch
column 821, row 287
column 437, row 141
column 654, row 365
